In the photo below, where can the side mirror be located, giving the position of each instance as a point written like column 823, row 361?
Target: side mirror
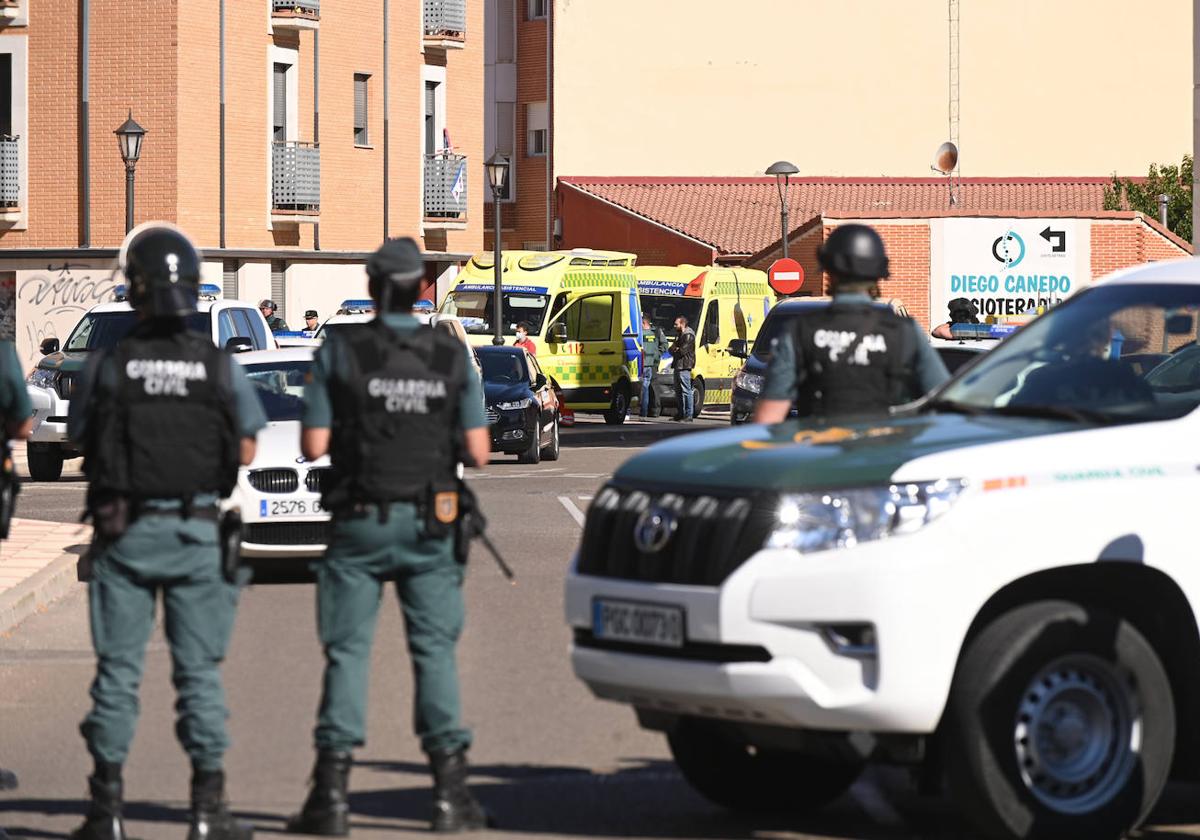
column 738, row 349
column 49, row 345
column 539, row 382
column 558, row 333
column 239, row 344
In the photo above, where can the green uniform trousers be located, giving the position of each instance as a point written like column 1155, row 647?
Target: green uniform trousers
column 181, row 560
column 363, row 555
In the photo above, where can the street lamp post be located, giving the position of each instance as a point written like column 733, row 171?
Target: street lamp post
column 782, row 170
column 497, row 172
column 129, row 137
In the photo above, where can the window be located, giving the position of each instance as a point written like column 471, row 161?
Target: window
column 6, row 84
column 537, row 125
column 261, row 342
column 229, row 278
column 712, row 325
column 279, row 287
column 506, row 31
column 431, row 139
column 595, row 318
column 537, row 142
column 241, row 324
column 538, row 9
column 225, row 327
column 279, row 106
column 360, row 109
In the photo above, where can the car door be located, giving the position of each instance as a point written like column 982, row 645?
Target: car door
column 544, row 394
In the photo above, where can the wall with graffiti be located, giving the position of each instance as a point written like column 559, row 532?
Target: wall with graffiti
column 50, row 299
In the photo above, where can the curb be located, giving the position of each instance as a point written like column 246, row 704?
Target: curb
column 37, row 591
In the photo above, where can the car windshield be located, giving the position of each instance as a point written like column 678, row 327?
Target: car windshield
column 1081, row 360
column 505, row 368
column 664, row 309
column 280, row 387
column 102, row 330
column 777, row 319
column 474, row 310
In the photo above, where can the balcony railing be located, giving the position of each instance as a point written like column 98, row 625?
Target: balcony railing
column 446, row 187
column 446, row 19
column 296, row 177
column 10, row 172
column 308, row 10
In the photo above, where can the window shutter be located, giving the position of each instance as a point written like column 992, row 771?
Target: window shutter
column 360, row 108
column 430, row 99
column 506, row 31
column 280, row 101
column 229, row 279
column 279, row 287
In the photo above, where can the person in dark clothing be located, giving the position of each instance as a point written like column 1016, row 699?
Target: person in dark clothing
column 962, row 311
column 683, row 356
column 274, row 322
column 653, row 344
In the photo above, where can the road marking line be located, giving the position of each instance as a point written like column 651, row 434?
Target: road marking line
column 585, row 475
column 876, row 806
column 575, row 512
column 586, row 498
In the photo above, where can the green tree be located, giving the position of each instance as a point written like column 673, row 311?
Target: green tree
column 1173, row 181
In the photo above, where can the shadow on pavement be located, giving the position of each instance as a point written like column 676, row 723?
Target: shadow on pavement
column 134, row 812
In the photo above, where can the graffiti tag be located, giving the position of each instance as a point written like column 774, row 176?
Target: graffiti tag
column 60, row 290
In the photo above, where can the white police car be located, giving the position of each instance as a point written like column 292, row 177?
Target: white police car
column 352, row 311
column 231, row 323
column 279, row 494
column 998, row 582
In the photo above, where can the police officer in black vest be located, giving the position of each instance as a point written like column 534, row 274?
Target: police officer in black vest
column 164, row 420
column 389, row 401
column 854, row 357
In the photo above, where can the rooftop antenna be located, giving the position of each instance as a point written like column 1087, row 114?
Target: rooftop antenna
column 945, row 160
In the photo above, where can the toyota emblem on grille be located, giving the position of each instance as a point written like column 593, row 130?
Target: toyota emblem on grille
column 654, row 529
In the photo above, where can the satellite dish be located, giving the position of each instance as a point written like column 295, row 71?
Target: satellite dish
column 946, row 158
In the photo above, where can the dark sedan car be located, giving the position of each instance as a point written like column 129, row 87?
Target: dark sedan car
column 522, row 409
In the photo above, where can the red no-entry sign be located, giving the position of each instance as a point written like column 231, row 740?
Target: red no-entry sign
column 785, row 276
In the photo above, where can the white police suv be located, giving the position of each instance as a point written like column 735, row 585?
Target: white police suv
column 231, row 323
column 998, row 582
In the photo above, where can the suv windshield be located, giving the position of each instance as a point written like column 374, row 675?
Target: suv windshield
column 506, row 368
column 1077, row 360
column 664, row 309
column 280, row 387
column 474, row 310
column 102, row 330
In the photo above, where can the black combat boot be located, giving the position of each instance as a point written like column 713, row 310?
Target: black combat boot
column 211, row 819
column 103, row 820
column 454, row 808
column 326, row 811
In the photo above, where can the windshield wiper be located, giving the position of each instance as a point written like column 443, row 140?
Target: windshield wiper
column 1055, row 412
column 953, row 407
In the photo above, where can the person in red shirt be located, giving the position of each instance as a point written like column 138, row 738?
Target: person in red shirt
column 523, row 339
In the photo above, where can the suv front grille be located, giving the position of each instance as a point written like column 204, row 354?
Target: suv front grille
column 315, row 479
column 713, row 535
column 287, row 533
column 274, row 480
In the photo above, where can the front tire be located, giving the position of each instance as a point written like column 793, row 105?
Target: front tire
column 550, row 453
column 45, row 461
column 697, row 397
column 619, row 408
column 533, row 454
column 1060, row 724
column 725, row 771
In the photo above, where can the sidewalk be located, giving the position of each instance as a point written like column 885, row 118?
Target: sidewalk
column 37, row 565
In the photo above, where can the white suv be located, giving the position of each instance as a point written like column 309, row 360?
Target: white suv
column 998, row 582
column 231, row 323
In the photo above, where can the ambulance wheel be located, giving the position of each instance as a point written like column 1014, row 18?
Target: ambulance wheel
column 550, row 453
column 45, row 461
column 616, row 414
column 731, row 774
column 1060, row 724
column 697, row 397
column 533, row 454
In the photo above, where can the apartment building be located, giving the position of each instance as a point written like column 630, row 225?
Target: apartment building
column 287, row 137
column 694, row 89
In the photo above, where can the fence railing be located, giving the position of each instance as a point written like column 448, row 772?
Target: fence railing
column 296, row 177
column 297, row 8
column 446, row 186
column 10, row 172
column 446, row 18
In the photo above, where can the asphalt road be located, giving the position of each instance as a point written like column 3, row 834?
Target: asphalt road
column 549, row 760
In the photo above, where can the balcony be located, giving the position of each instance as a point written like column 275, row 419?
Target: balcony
column 10, row 10
column 10, row 179
column 295, row 14
column 445, row 191
column 295, row 182
column 446, row 24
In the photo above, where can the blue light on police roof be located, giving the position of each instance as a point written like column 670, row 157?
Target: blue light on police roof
column 364, row 303
column 119, row 292
column 210, row 289
column 423, row 306
column 291, row 334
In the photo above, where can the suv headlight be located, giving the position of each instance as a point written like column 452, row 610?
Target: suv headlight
column 515, row 405
column 809, row 522
column 42, row 378
column 751, row 382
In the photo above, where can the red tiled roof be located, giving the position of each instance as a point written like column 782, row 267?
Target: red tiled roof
column 741, row 215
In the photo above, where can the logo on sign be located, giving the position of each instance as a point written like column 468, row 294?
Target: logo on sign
column 1009, row 249
column 654, row 529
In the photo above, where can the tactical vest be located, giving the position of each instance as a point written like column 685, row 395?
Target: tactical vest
column 166, row 429
column 857, row 359
column 395, row 414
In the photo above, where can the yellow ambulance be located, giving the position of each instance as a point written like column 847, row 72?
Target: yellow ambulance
column 721, row 305
column 581, row 308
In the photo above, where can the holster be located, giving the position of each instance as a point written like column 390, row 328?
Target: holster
column 442, row 509
column 10, row 486
column 110, row 515
column 230, row 537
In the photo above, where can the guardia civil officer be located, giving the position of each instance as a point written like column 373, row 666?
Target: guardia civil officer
column 853, row 357
column 388, row 401
column 164, row 420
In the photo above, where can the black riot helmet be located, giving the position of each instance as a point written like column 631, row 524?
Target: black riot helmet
column 162, row 270
column 854, row 254
column 394, row 273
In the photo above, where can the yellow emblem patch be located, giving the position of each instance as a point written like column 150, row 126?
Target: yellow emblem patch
column 445, row 507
